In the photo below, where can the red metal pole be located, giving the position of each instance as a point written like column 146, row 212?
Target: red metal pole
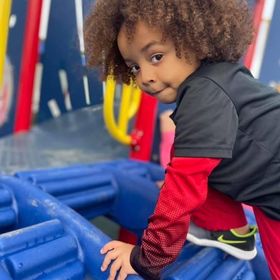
column 258, row 10
column 28, row 64
column 143, row 133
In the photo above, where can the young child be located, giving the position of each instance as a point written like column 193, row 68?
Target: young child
column 227, row 141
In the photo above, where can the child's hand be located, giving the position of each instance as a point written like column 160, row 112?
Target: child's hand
column 118, row 252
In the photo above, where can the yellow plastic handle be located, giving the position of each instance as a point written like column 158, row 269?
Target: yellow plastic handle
column 135, row 101
column 129, row 105
column 5, row 9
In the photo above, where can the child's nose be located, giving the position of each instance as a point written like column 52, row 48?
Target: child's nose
column 147, row 76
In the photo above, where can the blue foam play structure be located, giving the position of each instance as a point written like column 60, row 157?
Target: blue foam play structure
column 104, row 189
column 43, row 238
column 47, row 239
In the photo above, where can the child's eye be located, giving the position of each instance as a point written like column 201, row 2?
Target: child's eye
column 156, row 58
column 134, row 69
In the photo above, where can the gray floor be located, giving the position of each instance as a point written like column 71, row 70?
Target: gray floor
column 74, row 138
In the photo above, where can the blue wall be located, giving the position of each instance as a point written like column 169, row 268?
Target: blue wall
column 61, row 51
column 270, row 71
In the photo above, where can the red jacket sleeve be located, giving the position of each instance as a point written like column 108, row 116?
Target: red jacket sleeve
column 184, row 190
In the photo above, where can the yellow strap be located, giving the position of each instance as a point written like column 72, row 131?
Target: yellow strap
column 108, row 113
column 124, row 106
column 5, row 9
column 135, row 101
column 129, row 105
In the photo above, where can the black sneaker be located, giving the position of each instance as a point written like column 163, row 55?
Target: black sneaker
column 240, row 246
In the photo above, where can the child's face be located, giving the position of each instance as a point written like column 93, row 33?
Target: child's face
column 158, row 71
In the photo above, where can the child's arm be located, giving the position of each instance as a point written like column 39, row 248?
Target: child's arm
column 184, row 190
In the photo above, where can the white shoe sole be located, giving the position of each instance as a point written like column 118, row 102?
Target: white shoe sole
column 238, row 253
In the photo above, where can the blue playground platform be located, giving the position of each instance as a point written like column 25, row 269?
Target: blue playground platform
column 46, row 235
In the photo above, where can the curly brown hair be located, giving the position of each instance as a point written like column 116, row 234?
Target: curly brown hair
column 214, row 30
